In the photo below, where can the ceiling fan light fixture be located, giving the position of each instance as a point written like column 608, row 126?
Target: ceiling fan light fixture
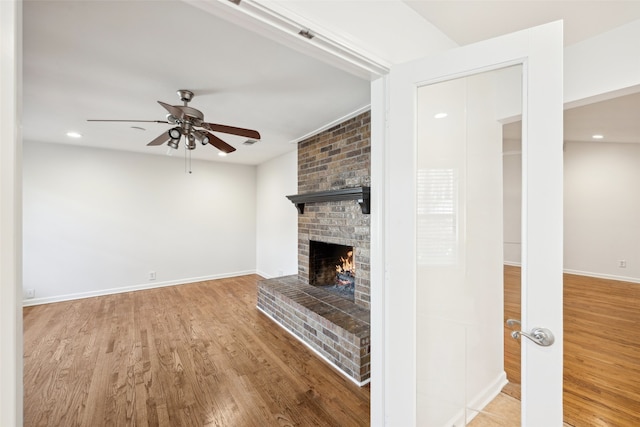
column 174, row 133
column 201, row 137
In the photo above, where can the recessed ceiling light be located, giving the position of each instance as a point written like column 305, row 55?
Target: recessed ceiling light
column 440, row 116
column 72, row 134
column 597, row 136
column 222, row 154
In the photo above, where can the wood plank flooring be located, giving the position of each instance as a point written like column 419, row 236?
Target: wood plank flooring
column 511, row 346
column 601, row 349
column 191, row 355
column 201, row 354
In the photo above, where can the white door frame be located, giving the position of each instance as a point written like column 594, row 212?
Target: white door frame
column 540, row 51
column 10, row 215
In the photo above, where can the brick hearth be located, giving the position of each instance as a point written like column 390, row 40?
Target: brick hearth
column 336, row 328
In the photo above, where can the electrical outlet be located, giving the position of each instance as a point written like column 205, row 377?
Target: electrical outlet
column 152, row 275
column 29, row 293
column 622, row 263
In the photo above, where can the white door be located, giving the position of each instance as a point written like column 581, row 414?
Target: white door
column 443, row 315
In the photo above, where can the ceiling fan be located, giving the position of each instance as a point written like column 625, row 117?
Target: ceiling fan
column 186, row 120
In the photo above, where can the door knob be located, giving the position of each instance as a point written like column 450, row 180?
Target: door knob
column 540, row 336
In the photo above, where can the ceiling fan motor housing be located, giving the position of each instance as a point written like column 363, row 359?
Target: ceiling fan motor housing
column 185, row 95
column 191, row 113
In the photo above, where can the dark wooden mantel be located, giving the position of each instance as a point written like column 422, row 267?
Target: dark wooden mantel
column 361, row 194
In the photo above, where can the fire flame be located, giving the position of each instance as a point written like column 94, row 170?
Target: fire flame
column 347, row 266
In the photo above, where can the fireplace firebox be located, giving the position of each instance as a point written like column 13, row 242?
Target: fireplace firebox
column 332, row 267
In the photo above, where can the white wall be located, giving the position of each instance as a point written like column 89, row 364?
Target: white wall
column 512, row 202
column 598, row 67
column 98, row 221
column 277, row 217
column 601, row 209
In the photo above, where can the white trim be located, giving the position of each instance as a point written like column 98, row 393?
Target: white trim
column 379, row 184
column 479, row 402
column 512, row 264
column 131, row 288
column 482, row 399
column 11, row 339
column 274, row 21
column 323, row 39
column 332, row 124
column 322, row 356
column 587, row 274
column 264, row 275
column 603, row 276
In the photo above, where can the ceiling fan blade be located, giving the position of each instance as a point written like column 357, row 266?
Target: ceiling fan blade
column 161, row 139
column 133, row 121
column 174, row 111
column 231, row 130
column 219, row 144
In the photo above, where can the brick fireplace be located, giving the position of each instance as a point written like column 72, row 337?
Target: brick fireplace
column 333, row 205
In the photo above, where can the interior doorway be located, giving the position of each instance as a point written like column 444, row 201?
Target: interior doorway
column 600, row 222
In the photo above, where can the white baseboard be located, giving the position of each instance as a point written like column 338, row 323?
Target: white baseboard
column 485, row 397
column 265, row 275
column 512, row 263
column 140, row 287
column 478, row 402
column 587, row 273
column 603, row 276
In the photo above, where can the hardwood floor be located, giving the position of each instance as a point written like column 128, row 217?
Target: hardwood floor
column 201, row 354
column 503, row 411
column 601, row 349
column 190, row 355
column 511, row 346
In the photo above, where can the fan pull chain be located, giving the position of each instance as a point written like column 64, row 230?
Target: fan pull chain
column 187, row 163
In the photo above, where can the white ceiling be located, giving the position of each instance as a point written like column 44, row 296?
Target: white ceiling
column 114, row 59
column 470, row 21
column 465, row 22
